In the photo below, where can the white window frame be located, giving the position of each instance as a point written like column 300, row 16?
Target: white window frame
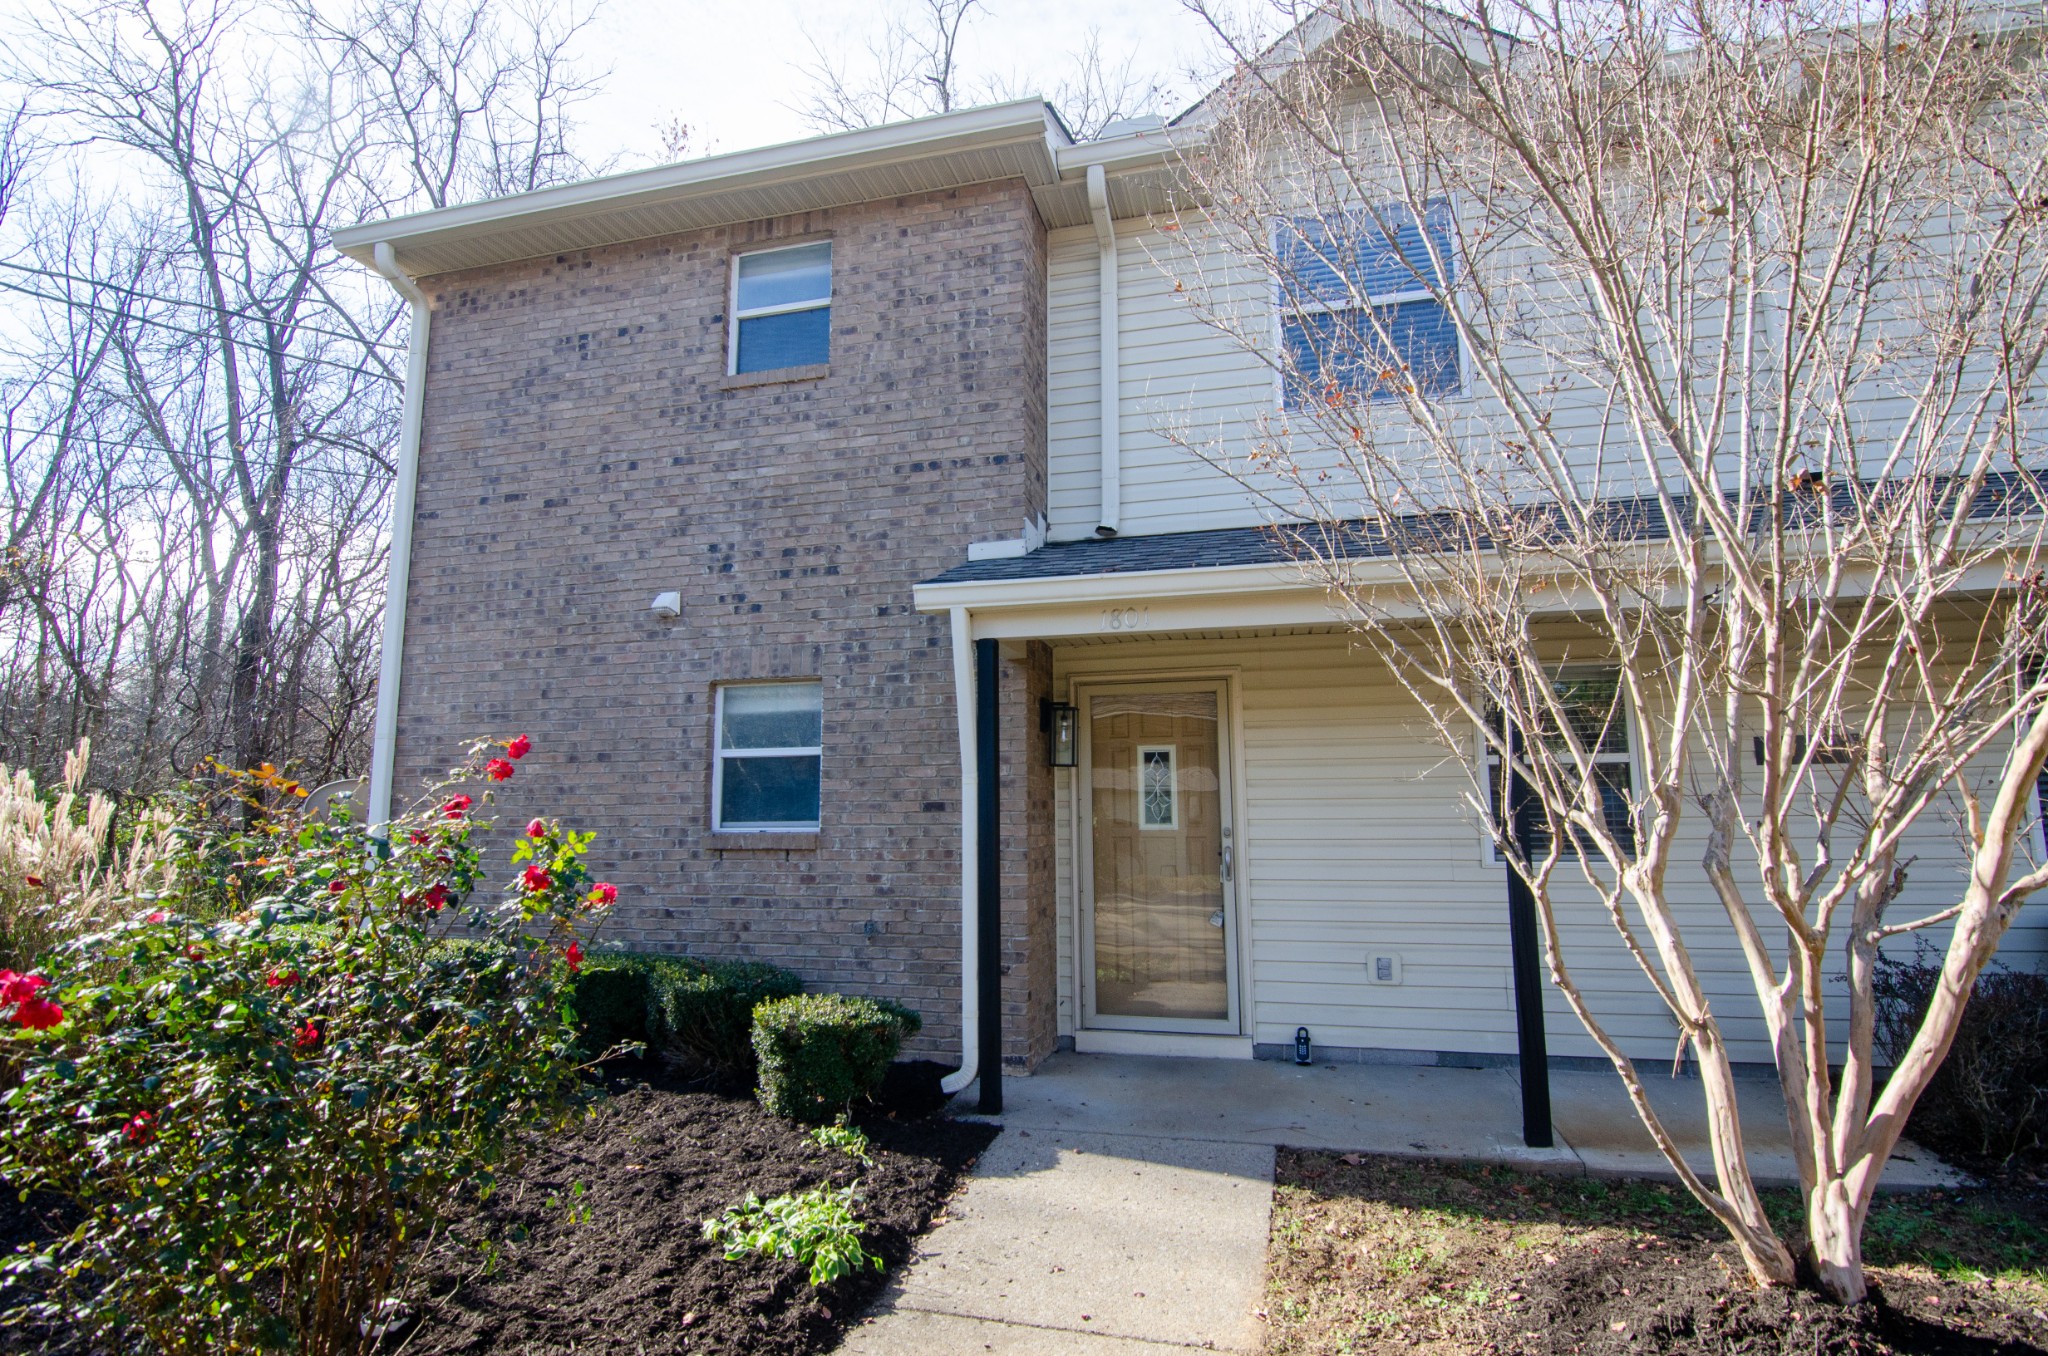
column 733, row 314
column 1489, row 759
column 1284, row 310
column 1172, row 753
column 719, row 754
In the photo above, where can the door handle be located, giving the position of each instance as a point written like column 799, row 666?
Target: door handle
column 1226, row 861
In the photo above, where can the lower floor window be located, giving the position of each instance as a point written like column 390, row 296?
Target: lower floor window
column 1596, row 709
column 770, row 757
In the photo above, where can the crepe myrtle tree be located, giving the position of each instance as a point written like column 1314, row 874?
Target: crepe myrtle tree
column 1701, row 341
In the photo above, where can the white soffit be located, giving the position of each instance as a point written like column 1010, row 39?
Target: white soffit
column 1003, row 141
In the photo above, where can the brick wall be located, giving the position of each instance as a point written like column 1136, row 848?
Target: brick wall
column 583, row 451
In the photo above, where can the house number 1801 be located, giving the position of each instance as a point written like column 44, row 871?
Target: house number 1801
column 1125, row 618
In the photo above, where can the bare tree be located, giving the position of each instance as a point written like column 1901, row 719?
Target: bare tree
column 911, row 68
column 1701, row 342
column 203, row 394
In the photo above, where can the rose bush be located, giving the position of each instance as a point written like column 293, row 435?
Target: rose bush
column 260, row 1116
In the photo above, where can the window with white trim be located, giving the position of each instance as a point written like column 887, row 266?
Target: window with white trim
column 1362, row 314
column 781, row 308
column 770, row 757
column 1596, row 708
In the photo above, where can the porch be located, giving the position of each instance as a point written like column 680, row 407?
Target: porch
column 1410, row 1111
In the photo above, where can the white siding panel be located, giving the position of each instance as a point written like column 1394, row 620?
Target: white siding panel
column 1355, row 842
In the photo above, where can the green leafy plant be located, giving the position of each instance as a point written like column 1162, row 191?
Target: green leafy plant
column 820, row 1052
column 260, row 1116
column 847, row 1139
column 816, row 1229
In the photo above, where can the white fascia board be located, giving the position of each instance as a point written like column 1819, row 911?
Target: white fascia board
column 945, row 133
column 1139, row 150
column 1135, row 585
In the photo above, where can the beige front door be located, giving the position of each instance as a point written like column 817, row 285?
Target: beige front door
column 1159, row 929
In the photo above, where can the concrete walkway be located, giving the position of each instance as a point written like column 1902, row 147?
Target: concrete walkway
column 1124, row 1208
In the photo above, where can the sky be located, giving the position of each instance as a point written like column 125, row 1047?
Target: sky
column 732, row 69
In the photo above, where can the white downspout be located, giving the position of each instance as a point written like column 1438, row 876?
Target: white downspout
column 1111, row 395
column 970, row 854
column 391, row 660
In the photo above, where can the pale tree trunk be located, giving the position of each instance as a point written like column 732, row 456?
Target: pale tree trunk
column 1751, row 309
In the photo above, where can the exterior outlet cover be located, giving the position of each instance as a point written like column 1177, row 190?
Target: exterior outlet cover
column 1383, row 968
column 668, row 606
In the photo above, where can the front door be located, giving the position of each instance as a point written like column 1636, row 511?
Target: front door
column 1159, row 927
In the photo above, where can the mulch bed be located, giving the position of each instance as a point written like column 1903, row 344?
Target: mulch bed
column 596, row 1245
column 1374, row 1254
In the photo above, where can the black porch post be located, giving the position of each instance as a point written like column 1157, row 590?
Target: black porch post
column 988, row 866
column 1530, row 1044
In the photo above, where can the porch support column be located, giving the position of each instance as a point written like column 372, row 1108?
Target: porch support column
column 988, row 873
column 1531, row 1046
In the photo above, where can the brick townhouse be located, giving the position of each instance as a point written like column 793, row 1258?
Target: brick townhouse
column 778, row 388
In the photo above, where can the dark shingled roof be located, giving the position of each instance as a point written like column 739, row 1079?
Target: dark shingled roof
column 1125, row 555
column 2004, row 494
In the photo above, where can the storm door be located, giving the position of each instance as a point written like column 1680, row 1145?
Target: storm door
column 1159, row 925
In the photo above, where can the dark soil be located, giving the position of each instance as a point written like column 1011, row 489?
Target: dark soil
column 597, row 1246
column 1380, row 1254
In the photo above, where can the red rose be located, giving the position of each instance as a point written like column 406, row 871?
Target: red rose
column 418, row 837
column 193, row 953
column 335, row 887
column 537, row 879
column 435, row 896
column 308, row 1037
column 16, row 988
column 456, row 807
column 35, row 882
column 498, row 770
column 519, row 747
column 140, row 1128
column 157, row 916
column 280, row 978
column 536, row 830
column 38, row 1014
column 604, row 892
column 574, row 955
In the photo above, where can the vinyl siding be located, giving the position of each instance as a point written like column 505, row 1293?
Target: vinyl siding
column 1354, row 841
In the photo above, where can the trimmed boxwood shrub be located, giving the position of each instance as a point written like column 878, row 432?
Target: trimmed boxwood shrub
column 699, row 1011
column 704, row 1013
column 611, row 1002
column 821, row 1052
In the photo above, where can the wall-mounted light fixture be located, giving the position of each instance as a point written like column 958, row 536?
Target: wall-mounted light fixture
column 1062, row 726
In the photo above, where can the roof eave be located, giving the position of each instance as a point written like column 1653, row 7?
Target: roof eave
column 1028, row 127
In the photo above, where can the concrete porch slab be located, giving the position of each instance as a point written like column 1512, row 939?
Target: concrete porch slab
column 1413, row 1111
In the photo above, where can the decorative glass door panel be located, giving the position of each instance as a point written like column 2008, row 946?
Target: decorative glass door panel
column 1161, row 927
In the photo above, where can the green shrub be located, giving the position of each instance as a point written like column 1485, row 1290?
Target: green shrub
column 611, row 999
column 259, row 1120
column 704, row 1012
column 815, row 1229
column 820, row 1052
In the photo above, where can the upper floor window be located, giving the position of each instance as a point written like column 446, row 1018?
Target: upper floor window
column 770, row 757
column 1361, row 314
column 781, row 308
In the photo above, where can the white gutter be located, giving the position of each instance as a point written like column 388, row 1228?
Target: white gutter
column 1111, row 391
column 403, row 495
column 970, row 856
